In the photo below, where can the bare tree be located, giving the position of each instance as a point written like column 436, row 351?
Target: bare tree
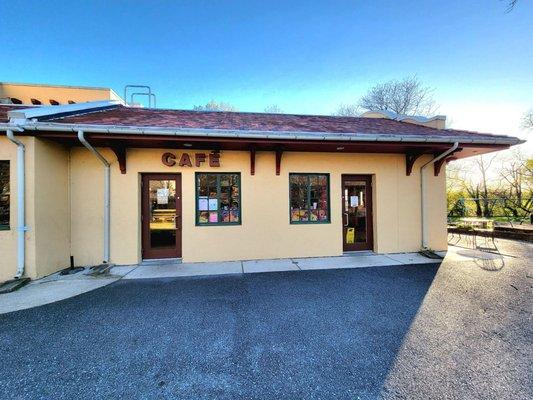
column 407, row 96
column 492, row 186
column 215, row 106
column 348, row 110
column 273, row 109
column 473, row 179
column 510, row 5
column 483, row 165
column 516, row 173
column 527, row 119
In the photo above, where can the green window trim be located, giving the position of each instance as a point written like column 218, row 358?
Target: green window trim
column 218, row 186
column 4, row 227
column 309, row 175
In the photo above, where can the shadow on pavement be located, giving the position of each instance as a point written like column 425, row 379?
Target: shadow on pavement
column 314, row 334
column 483, row 251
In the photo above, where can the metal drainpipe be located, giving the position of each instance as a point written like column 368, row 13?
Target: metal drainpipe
column 107, row 190
column 422, row 192
column 21, row 203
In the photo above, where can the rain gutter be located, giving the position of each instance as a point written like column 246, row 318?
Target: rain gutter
column 107, row 191
column 272, row 135
column 21, row 201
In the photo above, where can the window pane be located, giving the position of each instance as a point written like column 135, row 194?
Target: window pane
column 225, row 180
column 295, row 214
column 309, row 196
column 203, row 217
column 225, row 197
column 218, row 198
column 234, row 215
column 162, row 194
column 4, row 193
column 298, row 189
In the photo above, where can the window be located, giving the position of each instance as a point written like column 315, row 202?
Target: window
column 4, row 195
column 218, row 199
column 309, row 198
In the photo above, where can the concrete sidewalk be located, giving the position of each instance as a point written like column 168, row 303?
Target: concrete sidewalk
column 57, row 287
column 363, row 260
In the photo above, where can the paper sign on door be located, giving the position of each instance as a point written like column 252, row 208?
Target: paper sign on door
column 162, row 196
column 354, row 201
column 350, row 235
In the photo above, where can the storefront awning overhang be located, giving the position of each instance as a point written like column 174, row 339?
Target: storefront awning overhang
column 109, row 124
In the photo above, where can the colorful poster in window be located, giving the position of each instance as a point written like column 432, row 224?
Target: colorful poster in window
column 218, row 197
column 234, row 215
column 309, row 197
column 202, row 203
column 213, row 204
column 203, row 218
column 295, row 214
column 213, row 217
column 225, row 216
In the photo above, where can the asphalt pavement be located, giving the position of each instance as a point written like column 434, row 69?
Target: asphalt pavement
column 449, row 331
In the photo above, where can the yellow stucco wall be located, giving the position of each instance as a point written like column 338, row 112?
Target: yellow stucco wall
column 65, row 215
column 265, row 231
column 8, row 238
column 62, row 94
column 47, row 209
column 51, row 209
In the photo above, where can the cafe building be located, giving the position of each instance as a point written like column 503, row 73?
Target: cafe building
column 104, row 182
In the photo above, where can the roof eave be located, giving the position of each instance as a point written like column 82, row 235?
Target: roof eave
column 274, row 135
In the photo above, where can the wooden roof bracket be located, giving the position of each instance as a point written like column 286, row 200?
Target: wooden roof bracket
column 252, row 160
column 120, row 152
column 438, row 164
column 279, row 153
column 410, row 159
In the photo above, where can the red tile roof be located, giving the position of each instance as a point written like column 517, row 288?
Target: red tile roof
column 183, row 119
column 5, row 108
column 142, row 117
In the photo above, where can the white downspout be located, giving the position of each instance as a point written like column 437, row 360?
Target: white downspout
column 21, row 203
column 107, row 190
column 425, row 239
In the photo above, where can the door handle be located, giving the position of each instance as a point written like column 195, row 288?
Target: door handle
column 346, row 223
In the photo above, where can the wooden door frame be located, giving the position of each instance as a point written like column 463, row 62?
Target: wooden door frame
column 369, row 244
column 145, row 216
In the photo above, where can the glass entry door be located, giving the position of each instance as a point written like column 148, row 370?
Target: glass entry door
column 357, row 212
column 161, row 216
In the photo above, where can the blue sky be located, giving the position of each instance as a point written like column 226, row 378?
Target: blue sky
column 305, row 56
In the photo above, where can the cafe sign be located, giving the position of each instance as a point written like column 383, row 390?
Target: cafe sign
column 187, row 160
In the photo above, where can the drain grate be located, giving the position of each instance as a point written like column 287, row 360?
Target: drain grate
column 12, row 285
column 430, row 254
